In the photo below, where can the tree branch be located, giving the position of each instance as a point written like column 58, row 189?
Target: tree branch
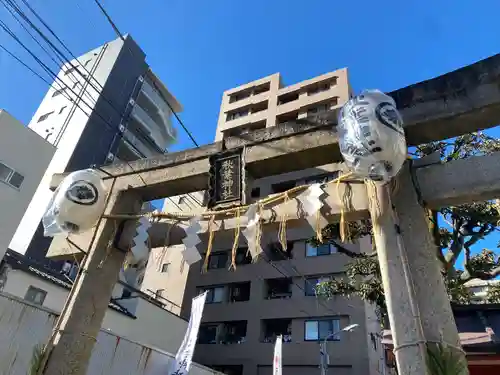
column 456, row 246
column 352, row 254
column 436, row 235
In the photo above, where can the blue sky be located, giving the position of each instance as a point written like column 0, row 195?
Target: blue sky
column 201, row 48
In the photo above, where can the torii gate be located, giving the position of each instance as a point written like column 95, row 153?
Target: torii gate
column 456, row 103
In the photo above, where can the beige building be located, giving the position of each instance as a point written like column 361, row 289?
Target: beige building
column 248, row 307
column 24, row 156
column 267, row 102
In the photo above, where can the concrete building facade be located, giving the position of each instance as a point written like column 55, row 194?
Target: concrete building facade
column 24, row 156
column 248, row 307
column 267, row 102
column 106, row 106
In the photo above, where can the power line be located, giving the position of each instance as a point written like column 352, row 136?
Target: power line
column 54, row 75
column 66, row 60
column 24, row 64
column 113, row 25
column 35, row 39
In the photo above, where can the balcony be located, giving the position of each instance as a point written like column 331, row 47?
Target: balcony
column 149, row 127
column 138, row 144
column 278, row 288
column 234, row 292
column 158, row 107
column 243, row 119
column 239, row 292
column 275, row 251
column 272, row 328
column 227, row 333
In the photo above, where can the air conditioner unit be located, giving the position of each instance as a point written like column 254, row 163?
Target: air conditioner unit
column 141, row 79
column 121, row 128
column 110, row 157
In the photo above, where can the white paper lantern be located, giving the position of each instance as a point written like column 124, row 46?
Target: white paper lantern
column 372, row 139
column 77, row 204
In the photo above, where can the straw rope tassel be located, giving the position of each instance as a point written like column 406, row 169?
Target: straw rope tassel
column 282, row 227
column 211, row 234
column 342, row 228
column 319, row 231
column 236, row 242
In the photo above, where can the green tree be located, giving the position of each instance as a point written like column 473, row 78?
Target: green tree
column 461, row 228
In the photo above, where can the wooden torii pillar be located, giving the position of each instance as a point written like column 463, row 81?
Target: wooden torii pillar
column 417, row 315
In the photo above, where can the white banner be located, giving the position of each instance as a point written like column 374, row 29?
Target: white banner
column 277, row 356
column 185, row 353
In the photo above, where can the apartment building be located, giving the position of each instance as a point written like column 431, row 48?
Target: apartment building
column 249, row 307
column 24, row 156
column 267, row 102
column 105, row 106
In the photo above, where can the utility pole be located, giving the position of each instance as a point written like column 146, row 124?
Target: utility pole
column 70, row 347
column 323, row 359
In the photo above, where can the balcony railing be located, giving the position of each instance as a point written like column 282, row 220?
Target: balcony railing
column 149, row 127
column 162, row 107
column 138, row 144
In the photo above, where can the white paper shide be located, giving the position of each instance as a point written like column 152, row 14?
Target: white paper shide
column 190, row 253
column 311, row 200
column 250, row 232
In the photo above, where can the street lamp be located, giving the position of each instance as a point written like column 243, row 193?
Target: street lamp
column 324, row 357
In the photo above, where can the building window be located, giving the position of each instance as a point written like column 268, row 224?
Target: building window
column 312, row 282
column 10, row 176
column 272, row 328
column 261, row 88
column 158, row 293
column 319, row 88
column 279, row 288
column 275, row 252
column 323, row 178
column 288, row 97
column 237, row 114
column 35, row 295
column 126, row 293
column 58, row 92
column 45, row 116
column 240, row 96
column 62, row 109
column 321, row 329
column 164, row 267
column 70, row 70
column 324, row 249
column 243, row 256
column 217, row 260
column 233, row 332
column 255, row 193
column 215, row 294
column 207, row 334
column 239, row 292
column 281, row 187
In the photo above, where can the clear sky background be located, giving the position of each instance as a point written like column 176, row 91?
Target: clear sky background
column 201, row 48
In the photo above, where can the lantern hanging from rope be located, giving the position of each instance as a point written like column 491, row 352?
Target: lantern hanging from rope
column 371, row 136
column 77, row 204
